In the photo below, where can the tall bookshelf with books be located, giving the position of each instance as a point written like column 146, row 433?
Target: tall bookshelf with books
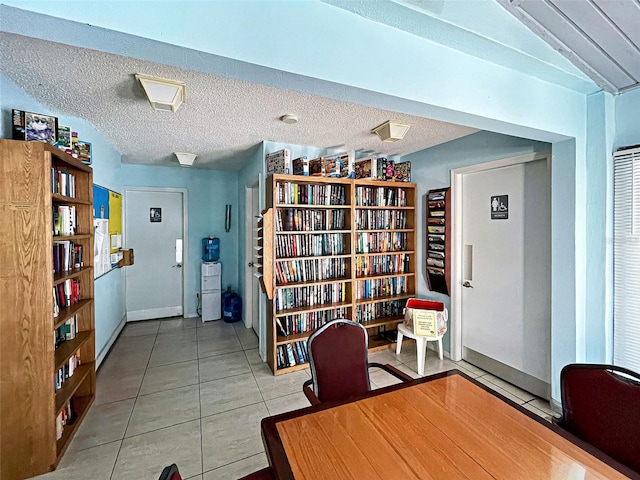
column 48, row 327
column 438, row 240
column 342, row 248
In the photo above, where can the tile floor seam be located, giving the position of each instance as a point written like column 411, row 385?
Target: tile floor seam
column 124, row 435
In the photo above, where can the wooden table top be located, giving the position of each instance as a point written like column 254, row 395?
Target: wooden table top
column 443, row 427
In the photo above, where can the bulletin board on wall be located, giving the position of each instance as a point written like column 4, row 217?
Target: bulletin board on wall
column 107, row 225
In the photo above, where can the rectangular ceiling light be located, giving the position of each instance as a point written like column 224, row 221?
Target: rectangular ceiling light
column 164, row 95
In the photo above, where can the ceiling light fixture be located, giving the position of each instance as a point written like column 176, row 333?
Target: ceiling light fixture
column 163, row 95
column 289, row 118
column 391, row 131
column 185, row 159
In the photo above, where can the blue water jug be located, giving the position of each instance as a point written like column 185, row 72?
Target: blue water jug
column 231, row 306
column 210, row 249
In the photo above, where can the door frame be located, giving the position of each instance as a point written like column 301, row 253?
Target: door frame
column 185, row 241
column 455, row 324
column 249, row 284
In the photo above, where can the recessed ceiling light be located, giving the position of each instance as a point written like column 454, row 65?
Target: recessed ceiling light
column 164, row 95
column 289, row 118
column 391, row 131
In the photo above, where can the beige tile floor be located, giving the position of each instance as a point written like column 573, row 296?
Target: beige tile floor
column 176, row 390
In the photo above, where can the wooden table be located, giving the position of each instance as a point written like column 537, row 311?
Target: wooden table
column 447, row 426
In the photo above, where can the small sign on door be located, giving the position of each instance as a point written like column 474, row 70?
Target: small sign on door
column 155, row 214
column 499, row 207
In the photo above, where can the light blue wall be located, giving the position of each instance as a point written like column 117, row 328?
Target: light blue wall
column 109, row 289
column 208, row 191
column 627, row 115
column 431, row 169
column 429, row 78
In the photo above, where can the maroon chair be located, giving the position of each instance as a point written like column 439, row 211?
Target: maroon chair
column 264, row 474
column 170, row 473
column 338, row 357
column 601, row 405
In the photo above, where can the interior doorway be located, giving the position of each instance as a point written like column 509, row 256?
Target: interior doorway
column 501, row 277
column 155, row 229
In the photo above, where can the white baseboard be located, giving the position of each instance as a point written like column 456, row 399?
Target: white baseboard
column 152, row 313
column 105, row 350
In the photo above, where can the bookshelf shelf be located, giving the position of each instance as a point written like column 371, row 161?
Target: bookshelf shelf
column 360, row 227
column 37, row 181
column 68, row 312
column 69, row 347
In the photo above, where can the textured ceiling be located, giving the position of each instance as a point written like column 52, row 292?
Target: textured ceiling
column 221, row 120
column 601, row 37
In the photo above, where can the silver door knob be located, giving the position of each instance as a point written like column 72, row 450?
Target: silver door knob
column 176, row 266
column 467, row 284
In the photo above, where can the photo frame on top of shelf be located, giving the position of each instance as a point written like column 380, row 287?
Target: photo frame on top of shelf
column 35, row 127
column 64, row 138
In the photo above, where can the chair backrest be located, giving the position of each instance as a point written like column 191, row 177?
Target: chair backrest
column 170, row 473
column 338, row 357
column 601, row 405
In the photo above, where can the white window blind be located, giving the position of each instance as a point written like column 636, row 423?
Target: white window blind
column 626, row 259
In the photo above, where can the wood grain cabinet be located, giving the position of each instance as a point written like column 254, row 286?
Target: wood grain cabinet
column 337, row 248
column 47, row 335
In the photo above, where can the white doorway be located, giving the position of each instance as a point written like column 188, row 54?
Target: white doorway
column 501, row 277
column 155, row 229
column 252, row 286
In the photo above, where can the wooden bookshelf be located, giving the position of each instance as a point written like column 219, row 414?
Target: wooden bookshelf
column 29, row 403
column 438, row 261
column 350, row 256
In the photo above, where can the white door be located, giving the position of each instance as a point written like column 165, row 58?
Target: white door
column 506, row 265
column 154, row 226
column 252, row 286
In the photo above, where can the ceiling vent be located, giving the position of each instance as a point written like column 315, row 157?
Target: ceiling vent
column 163, row 95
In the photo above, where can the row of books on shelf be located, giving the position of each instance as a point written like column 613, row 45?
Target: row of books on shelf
column 381, row 287
column 305, row 220
column 292, row 354
column 342, row 165
column 292, row 193
column 373, row 311
column 67, row 256
column 67, row 331
column 63, row 182
column 381, row 197
column 380, row 242
column 66, row 371
column 310, row 296
column 292, row 245
column 64, row 220
column 383, row 264
column 307, row 322
column 313, row 270
column 381, row 219
column 66, row 416
column 65, row 294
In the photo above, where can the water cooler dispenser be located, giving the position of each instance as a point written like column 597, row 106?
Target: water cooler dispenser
column 210, row 281
column 211, row 294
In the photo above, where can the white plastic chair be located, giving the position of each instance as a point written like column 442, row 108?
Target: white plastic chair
column 415, row 330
